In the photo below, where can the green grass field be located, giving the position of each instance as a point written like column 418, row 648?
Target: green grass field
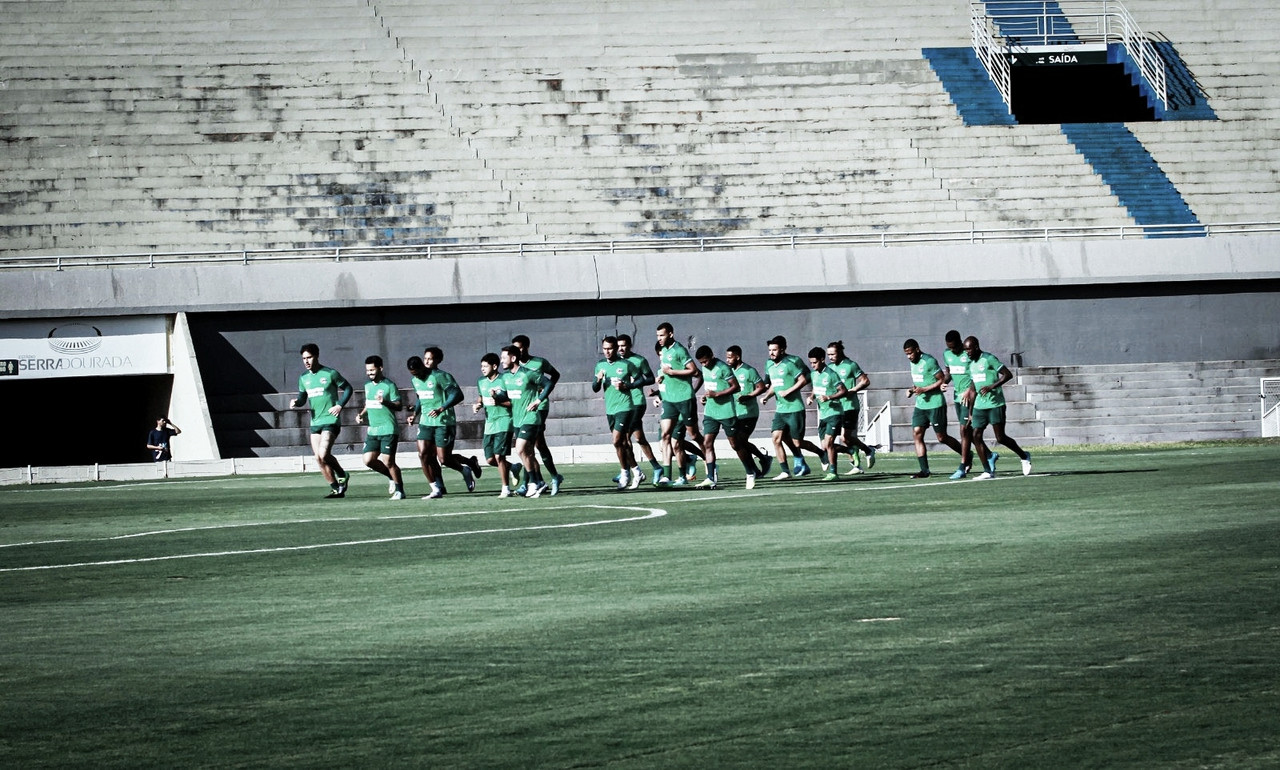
column 1118, row 608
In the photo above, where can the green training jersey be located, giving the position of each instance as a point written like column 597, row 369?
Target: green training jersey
column 382, row 421
column 716, row 377
column 675, row 388
column 958, row 366
column 923, row 374
column 616, row 373
column 322, row 388
column 497, row 417
column 540, row 365
column 645, row 376
column 523, row 386
column 985, row 371
column 849, row 372
column 825, row 383
column 782, row 374
column 434, row 391
column 748, row 378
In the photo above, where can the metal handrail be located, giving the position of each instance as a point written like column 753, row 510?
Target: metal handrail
column 881, row 238
column 1062, row 24
column 993, row 55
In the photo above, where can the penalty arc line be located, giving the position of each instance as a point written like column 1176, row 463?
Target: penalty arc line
column 650, row 513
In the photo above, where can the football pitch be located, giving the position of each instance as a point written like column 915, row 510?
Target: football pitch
column 1117, row 608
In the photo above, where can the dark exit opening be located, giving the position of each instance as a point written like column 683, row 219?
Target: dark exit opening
column 1083, row 93
column 86, row 420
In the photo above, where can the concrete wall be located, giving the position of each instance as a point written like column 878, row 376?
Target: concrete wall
column 258, row 352
column 634, row 276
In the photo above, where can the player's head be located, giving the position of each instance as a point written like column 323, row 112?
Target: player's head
column 609, row 347
column 521, row 341
column 373, row 367
column 415, row 366
column 432, row 357
column 835, row 351
column 733, row 355
column 310, row 356
column 972, row 347
column 912, row 349
column 704, row 354
column 509, row 358
column 624, row 345
column 817, row 358
column 161, row 422
column 666, row 334
column 953, row 341
column 777, row 348
column 489, row 364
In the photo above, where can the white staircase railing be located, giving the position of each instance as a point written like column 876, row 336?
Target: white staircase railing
column 875, row 428
column 992, row 52
column 1270, row 407
column 1003, row 28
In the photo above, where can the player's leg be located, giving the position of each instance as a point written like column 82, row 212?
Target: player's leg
column 710, row 429
column 780, row 449
column 322, row 447
column 533, row 472
column 828, row 429
column 796, row 436
column 997, row 429
column 667, row 427
column 938, row 417
column 388, row 458
column 742, row 447
column 919, row 423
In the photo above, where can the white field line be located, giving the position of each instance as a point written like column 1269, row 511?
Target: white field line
column 780, row 487
column 649, row 513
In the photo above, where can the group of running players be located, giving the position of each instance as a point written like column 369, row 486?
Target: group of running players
column 514, row 388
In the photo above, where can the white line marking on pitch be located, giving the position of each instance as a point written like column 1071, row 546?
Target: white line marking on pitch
column 650, row 513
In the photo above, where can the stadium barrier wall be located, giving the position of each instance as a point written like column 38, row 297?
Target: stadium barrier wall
column 41, row 293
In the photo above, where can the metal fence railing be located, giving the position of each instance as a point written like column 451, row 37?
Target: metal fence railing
column 875, row 238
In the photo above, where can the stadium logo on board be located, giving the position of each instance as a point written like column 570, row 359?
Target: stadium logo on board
column 75, row 339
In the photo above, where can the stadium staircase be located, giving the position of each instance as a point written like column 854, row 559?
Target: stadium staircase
column 1136, row 403
column 968, row 86
column 1135, row 178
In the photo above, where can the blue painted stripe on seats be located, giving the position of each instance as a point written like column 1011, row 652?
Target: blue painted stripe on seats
column 1134, row 177
column 976, row 98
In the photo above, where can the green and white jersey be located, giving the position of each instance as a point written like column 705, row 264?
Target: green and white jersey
column 985, row 371
column 748, row 378
column 782, row 374
column 675, row 388
column 645, row 374
column 616, row 373
column 540, row 365
column 825, row 383
column 958, row 366
column 434, row 391
column 322, row 388
column 497, row 417
column 923, row 374
column 716, row 377
column 382, row 421
column 849, row 372
column 523, row 386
